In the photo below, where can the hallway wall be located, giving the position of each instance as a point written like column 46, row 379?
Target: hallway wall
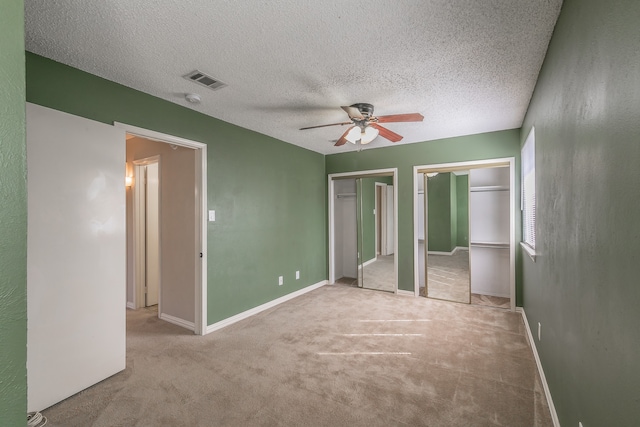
column 178, row 259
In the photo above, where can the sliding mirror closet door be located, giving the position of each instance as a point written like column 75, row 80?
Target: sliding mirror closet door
column 359, row 231
column 445, row 235
column 376, row 225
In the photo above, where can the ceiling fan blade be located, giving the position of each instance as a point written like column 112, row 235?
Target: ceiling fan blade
column 409, row 117
column 324, row 126
column 386, row 133
column 353, row 113
column 343, row 138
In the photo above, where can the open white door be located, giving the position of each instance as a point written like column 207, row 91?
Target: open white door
column 152, row 234
column 76, row 254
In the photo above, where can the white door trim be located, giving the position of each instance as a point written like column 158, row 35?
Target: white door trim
column 201, row 214
column 331, row 207
column 440, row 167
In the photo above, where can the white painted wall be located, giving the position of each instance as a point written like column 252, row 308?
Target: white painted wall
column 76, row 254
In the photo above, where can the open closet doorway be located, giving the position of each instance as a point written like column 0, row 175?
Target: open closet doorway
column 166, row 228
column 362, row 229
column 464, row 245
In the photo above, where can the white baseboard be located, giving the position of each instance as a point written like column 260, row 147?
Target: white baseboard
column 372, row 260
column 246, row 314
column 177, row 321
column 131, row 305
column 545, row 386
column 406, row 293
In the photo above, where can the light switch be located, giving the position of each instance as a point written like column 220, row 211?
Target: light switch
column 212, row 216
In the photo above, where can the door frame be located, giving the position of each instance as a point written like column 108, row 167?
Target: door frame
column 473, row 164
column 200, row 318
column 139, row 233
column 331, row 214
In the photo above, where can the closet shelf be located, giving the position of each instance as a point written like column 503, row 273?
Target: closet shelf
column 489, row 188
column 497, row 245
column 343, row 195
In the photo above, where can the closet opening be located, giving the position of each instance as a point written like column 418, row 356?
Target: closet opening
column 362, row 229
column 464, row 236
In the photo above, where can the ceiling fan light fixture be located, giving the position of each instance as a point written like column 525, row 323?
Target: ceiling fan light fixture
column 353, row 135
column 368, row 134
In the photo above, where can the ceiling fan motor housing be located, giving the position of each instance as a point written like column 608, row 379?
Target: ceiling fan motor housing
column 365, row 109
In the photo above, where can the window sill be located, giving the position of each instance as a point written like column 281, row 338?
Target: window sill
column 529, row 250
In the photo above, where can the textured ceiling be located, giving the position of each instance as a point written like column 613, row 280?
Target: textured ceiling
column 468, row 66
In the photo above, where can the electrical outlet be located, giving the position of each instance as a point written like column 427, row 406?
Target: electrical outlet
column 298, row 275
column 280, row 281
column 539, row 327
column 212, row 216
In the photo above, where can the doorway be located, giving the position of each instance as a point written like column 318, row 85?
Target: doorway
column 464, row 244
column 178, row 248
column 362, row 213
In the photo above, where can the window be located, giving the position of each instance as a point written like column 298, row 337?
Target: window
column 528, row 205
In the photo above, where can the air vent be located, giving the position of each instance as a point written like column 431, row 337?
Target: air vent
column 204, row 80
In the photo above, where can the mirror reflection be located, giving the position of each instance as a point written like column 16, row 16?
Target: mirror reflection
column 463, row 235
column 447, row 238
column 375, row 198
column 364, row 232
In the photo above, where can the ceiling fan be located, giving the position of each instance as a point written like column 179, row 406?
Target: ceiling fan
column 366, row 126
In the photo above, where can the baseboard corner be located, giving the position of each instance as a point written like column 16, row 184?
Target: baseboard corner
column 177, row 321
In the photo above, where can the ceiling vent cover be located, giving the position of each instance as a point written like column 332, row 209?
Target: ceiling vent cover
column 204, row 80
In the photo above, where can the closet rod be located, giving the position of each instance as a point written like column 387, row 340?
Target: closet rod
column 343, row 195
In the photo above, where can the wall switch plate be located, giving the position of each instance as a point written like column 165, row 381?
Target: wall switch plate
column 212, row 216
column 297, row 275
column 539, row 327
column 280, row 281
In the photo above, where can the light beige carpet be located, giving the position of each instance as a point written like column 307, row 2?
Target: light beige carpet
column 448, row 277
column 380, row 274
column 337, row 356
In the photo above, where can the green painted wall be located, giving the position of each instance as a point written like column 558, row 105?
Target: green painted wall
column 453, row 196
column 462, row 203
column 269, row 196
column 584, row 287
column 404, row 157
column 439, row 211
column 13, row 218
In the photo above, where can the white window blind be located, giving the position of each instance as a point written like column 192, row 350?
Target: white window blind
column 528, row 205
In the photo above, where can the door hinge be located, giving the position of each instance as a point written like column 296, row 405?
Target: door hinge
column 200, row 254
